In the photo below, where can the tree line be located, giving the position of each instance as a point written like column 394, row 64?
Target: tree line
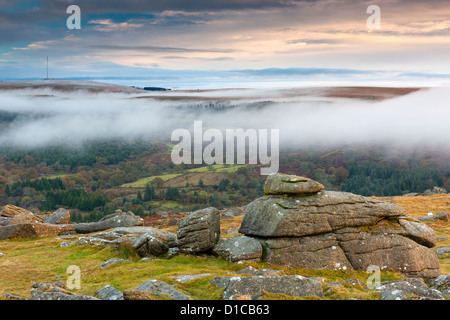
column 383, row 180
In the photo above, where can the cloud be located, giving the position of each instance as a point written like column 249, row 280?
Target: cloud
column 228, row 34
column 37, row 45
column 107, row 25
column 157, row 49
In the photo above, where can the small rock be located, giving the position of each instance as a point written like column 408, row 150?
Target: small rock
column 232, row 230
column 111, row 262
column 220, row 282
column 442, row 251
column 232, row 212
column 158, row 287
column 66, row 244
column 279, row 183
column 109, row 293
column 189, row 277
column 250, row 270
column 172, row 252
column 54, row 291
column 60, row 216
column 444, row 216
column 408, row 289
column 148, row 245
column 10, row 296
column 442, row 283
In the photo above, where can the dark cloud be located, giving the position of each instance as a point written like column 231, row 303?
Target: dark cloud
column 106, row 6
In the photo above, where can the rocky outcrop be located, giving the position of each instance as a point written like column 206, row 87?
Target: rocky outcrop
column 108, row 292
column 10, row 211
column 60, row 216
column 157, row 288
column 239, row 249
column 444, row 216
column 255, row 286
column 337, row 230
column 408, row 289
column 34, row 230
column 230, row 213
column 122, row 219
column 154, row 243
column 55, row 291
column 199, row 231
column 17, row 222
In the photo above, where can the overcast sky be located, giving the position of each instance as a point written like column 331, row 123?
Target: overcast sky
column 142, row 38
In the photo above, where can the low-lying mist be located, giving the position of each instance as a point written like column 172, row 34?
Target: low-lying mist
column 31, row 119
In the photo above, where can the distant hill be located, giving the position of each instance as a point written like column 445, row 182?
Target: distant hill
column 67, row 86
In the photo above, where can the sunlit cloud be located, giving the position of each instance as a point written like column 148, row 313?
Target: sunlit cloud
column 106, row 25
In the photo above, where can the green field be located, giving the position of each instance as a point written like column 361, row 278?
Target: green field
column 217, row 168
column 166, row 177
column 56, row 176
column 142, row 182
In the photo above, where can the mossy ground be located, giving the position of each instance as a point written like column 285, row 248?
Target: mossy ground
column 25, row 261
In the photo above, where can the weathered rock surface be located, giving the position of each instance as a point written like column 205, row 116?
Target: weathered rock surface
column 55, row 291
column 444, row 216
column 255, row 286
column 114, row 237
column 10, row 211
column 435, row 190
column 10, row 296
column 60, row 216
column 316, row 252
column 111, row 262
column 239, row 249
column 109, row 293
column 442, row 284
column 288, row 184
column 43, row 295
column 199, row 231
column 297, row 216
column 34, row 230
column 408, row 289
column 25, row 217
column 121, row 219
column 150, row 244
column 443, row 250
column 337, row 230
column 158, row 287
column 230, row 213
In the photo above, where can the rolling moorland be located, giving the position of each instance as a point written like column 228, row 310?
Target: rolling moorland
column 100, row 176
